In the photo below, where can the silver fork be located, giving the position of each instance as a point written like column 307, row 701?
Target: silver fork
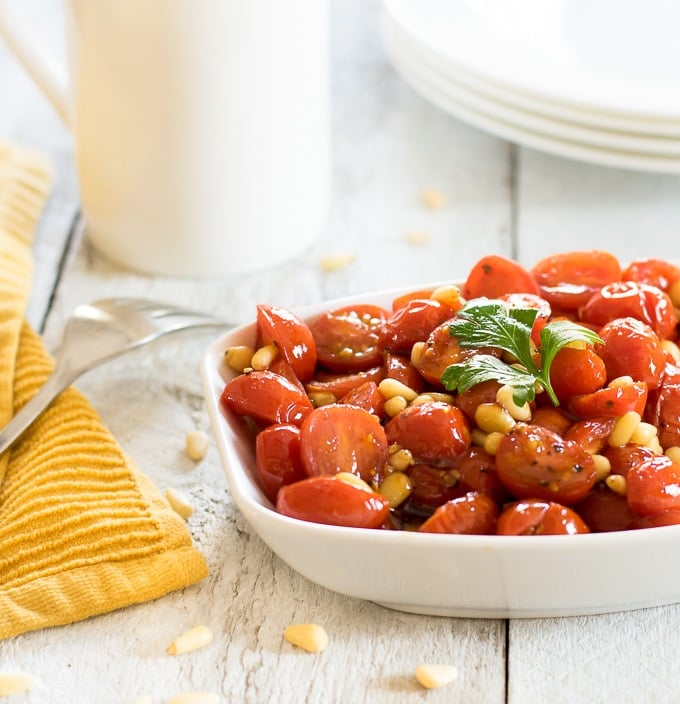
column 96, row 333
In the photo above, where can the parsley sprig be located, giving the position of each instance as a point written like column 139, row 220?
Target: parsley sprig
column 492, row 323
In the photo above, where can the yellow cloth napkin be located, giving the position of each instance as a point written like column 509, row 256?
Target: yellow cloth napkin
column 82, row 530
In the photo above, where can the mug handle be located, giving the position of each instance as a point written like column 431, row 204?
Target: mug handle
column 47, row 73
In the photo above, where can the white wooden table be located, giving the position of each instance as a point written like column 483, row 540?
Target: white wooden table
column 388, row 145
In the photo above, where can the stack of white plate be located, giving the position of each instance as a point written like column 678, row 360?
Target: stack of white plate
column 595, row 80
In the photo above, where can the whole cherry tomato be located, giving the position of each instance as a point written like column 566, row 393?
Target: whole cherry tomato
column 655, row 272
column 574, row 372
column 412, row 323
column 267, row 397
column 625, row 299
column 631, row 348
column 472, row 514
column 333, row 502
column 277, row 458
column 611, row 401
column 340, row 438
column 291, row 335
column 604, row 511
column 540, row 517
column 493, row 276
column 569, row 279
column 663, row 407
column 435, row 432
column 347, row 338
column 654, row 486
column 591, row 434
column 534, row 462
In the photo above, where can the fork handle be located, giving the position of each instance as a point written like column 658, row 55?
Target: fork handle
column 55, row 384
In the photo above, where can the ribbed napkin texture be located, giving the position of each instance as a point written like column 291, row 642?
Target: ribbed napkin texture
column 82, row 530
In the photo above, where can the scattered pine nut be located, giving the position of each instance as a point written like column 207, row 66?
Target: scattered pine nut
column 492, row 441
column 193, row 639
column 672, row 349
column 197, row 443
column 617, row 483
column 179, row 503
column 432, row 198
column 239, row 357
column 352, row 480
column 395, row 405
column 602, row 467
column 418, row 237
column 195, row 698
column 14, row 683
column 401, row 459
column 674, row 293
column 389, row 388
column 336, row 261
column 620, row 381
column 449, row 295
column 624, row 427
column 504, row 396
column 263, row 357
column 308, row 636
column 143, row 699
column 674, row 453
column 431, row 676
column 396, row 488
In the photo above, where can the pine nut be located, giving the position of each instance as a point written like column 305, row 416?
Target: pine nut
column 353, row 480
column 308, row 636
column 577, row 345
column 193, row 639
column 179, row 503
column 674, row 293
column 478, row 437
column 418, row 237
column 491, row 442
column 197, row 443
column 672, row 349
column 602, row 467
column 263, row 357
column 449, row 295
column 336, row 262
column 620, row 381
column 441, row 397
column 624, row 427
column 432, row 198
column 617, row 483
column 420, row 399
column 195, row 698
column 396, row 488
column 322, row 398
column 401, row 459
column 431, row 676
column 655, row 446
column 143, row 699
column 395, row 405
column 389, row 388
column 643, row 434
column 14, row 683
column 239, row 357
column 417, row 352
column 493, row 418
column 504, row 396
column 673, row 453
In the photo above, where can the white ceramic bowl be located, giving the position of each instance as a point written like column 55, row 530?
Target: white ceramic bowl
column 446, row 575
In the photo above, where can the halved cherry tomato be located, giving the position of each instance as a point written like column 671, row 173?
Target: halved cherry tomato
column 533, row 462
column 663, row 407
column 347, row 338
column 567, row 280
column 277, row 458
column 469, row 400
column 434, row 432
column 477, row 470
column 655, row 272
column 494, row 276
column 574, row 372
column 399, row 367
column 631, row 348
column 342, row 384
column 368, row 397
column 431, row 487
column 670, row 517
column 339, row 438
column 554, row 419
column 540, row 517
column 267, row 397
column 654, row 486
column 413, row 323
column 623, row 458
column 604, row 511
column 333, row 502
column 611, row 401
column 472, row 514
column 531, row 300
column 291, row 335
column 591, row 434
column 625, row 299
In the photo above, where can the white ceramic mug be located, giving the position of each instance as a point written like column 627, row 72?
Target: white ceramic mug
column 201, row 127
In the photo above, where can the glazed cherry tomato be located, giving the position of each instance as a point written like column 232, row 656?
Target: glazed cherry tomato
column 533, row 462
column 611, row 401
column 655, row 272
column 439, row 351
column 339, row 438
column 435, row 432
column 401, row 300
column 333, row 502
column 625, row 299
column 277, row 458
column 494, row 276
column 431, row 487
column 554, row 419
column 347, row 338
column 472, row 514
column 413, row 323
column 654, row 486
column 368, row 397
column 604, row 511
column 469, row 400
column 623, row 458
column 631, row 348
column 569, row 279
column 531, row 300
column 663, row 407
column 591, row 434
column 540, row 517
column 477, row 470
column 341, row 384
column 574, row 372
column 670, row 517
column 291, row 335
column 267, row 397
column 399, row 367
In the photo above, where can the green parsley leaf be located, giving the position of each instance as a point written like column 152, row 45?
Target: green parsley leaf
column 492, row 323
